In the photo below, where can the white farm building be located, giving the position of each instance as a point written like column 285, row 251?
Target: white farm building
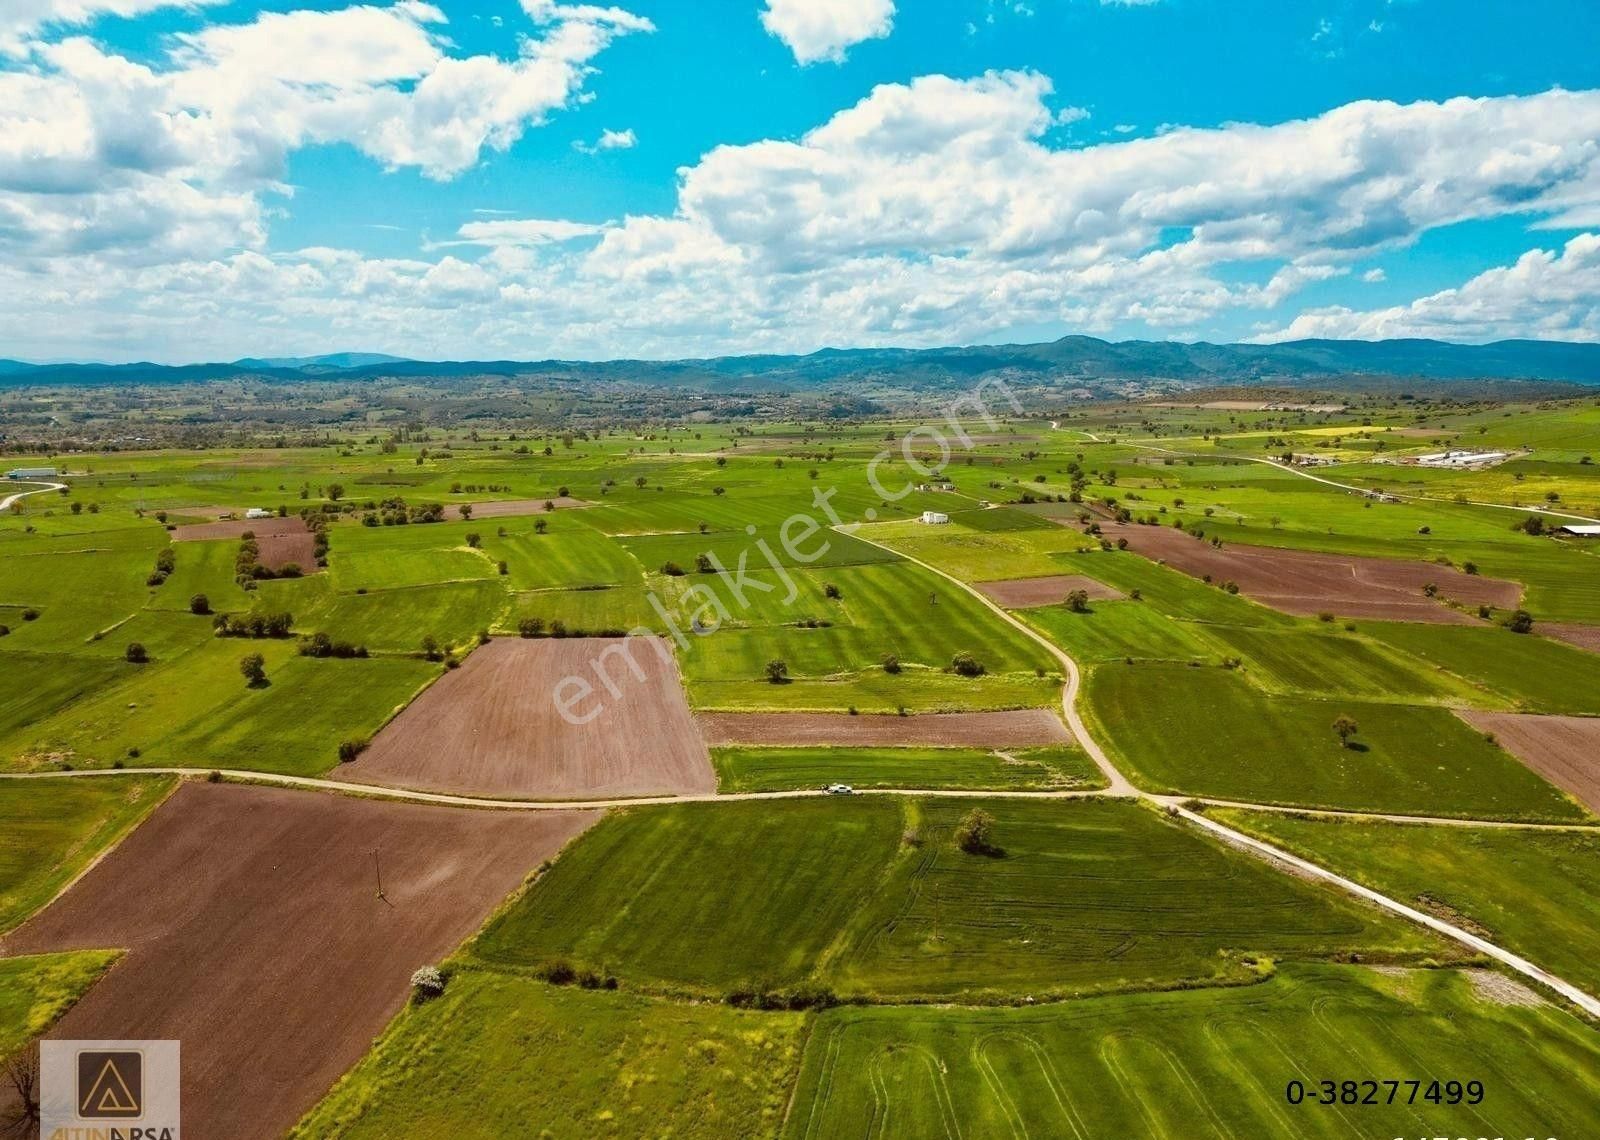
column 31, row 473
column 259, row 513
column 934, row 518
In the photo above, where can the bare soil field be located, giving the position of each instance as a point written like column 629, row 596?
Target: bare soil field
column 1021, row 593
column 1307, row 582
column 1563, row 749
column 492, row 727
column 1583, row 636
column 256, row 935
column 512, row 508
column 235, row 529
column 1019, row 728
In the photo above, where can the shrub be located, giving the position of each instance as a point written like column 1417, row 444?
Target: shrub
column 777, row 672
column 975, row 833
column 1078, row 601
column 253, row 666
column 137, row 653
column 966, row 665
column 427, row 983
column 672, row 569
column 891, row 663
column 530, row 627
column 1518, row 621
column 1469, row 567
column 199, row 604
column 350, row 749
column 430, row 648
column 830, row 591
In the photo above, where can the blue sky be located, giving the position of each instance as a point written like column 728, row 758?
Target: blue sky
column 217, row 180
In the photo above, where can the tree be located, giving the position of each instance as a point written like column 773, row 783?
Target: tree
column 540, row 526
column 430, row 647
column 777, row 672
column 966, row 665
column 1078, row 601
column 975, row 833
column 254, row 668
column 474, row 539
column 891, row 663
column 199, row 604
column 137, row 653
column 830, row 591
column 466, row 510
column 1519, row 621
column 335, row 491
column 530, row 627
column 702, row 563
column 1344, row 728
column 672, row 569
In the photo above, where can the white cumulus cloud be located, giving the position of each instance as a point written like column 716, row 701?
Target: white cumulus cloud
column 823, row 29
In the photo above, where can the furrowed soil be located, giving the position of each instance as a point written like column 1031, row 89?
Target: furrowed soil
column 1308, row 583
column 1563, row 749
column 257, row 936
column 1018, row 728
column 1021, row 593
column 493, row 728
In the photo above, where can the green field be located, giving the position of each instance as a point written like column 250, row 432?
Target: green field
column 1210, row 1063
column 1534, row 892
column 1209, row 732
column 1535, row 673
column 51, row 829
column 871, row 896
column 36, row 990
column 528, row 1059
column 785, row 769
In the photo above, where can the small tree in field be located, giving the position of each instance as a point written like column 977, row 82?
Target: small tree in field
column 254, row 668
column 777, row 672
column 1078, row 601
column 1519, row 621
column 199, row 604
column 137, row 653
column 975, row 832
column 1345, row 727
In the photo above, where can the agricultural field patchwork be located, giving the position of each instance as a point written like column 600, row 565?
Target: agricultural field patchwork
column 828, row 852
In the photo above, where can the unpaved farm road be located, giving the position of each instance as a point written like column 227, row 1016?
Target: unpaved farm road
column 5, row 503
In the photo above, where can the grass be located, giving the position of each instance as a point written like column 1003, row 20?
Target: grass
column 785, row 769
column 194, row 710
column 1534, row 892
column 36, row 990
column 871, row 897
column 1209, row 732
column 51, row 829
column 503, row 1056
column 1202, row 1064
column 1538, row 674
column 747, row 890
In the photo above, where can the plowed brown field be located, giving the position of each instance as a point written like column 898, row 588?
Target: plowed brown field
column 1583, row 636
column 492, row 727
column 257, row 939
column 280, row 541
column 1563, row 749
column 1020, row 593
column 1307, row 582
column 1016, row 729
column 511, row 508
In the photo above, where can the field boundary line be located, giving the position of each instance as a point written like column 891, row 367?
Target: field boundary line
column 1379, row 816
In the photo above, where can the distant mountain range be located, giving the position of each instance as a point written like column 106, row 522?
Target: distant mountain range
column 1082, row 359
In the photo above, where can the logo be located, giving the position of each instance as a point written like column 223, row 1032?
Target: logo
column 108, row 1090
column 110, row 1084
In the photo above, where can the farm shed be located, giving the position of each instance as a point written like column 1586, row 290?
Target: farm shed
column 31, row 473
column 1581, row 531
column 935, row 517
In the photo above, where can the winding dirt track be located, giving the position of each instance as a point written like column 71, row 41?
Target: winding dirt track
column 257, row 937
column 43, row 488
